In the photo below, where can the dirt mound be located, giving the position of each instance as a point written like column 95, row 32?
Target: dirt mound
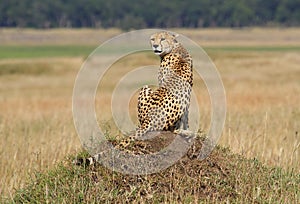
column 222, row 177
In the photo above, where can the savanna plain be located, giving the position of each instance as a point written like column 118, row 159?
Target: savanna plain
column 259, row 68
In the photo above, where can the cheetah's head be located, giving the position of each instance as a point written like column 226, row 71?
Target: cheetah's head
column 162, row 43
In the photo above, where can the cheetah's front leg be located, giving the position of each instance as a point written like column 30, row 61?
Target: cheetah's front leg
column 183, row 122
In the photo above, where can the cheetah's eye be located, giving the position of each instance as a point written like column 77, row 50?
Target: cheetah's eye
column 162, row 39
column 152, row 39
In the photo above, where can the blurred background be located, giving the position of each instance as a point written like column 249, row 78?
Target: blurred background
column 255, row 45
column 135, row 14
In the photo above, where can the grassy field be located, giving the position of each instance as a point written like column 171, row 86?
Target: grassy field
column 23, row 52
column 259, row 68
column 222, row 178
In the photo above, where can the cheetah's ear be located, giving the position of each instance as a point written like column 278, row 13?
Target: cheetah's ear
column 175, row 35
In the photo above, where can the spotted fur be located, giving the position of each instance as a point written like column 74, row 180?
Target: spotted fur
column 166, row 108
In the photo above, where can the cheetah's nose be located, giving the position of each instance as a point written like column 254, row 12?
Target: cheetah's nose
column 155, row 46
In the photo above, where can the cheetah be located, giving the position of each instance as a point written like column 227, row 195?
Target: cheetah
column 166, row 108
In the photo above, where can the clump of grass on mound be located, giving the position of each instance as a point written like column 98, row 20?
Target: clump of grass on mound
column 223, row 176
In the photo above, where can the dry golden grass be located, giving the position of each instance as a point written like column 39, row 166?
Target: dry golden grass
column 203, row 36
column 262, row 89
column 245, row 36
column 36, row 126
column 55, row 36
column 263, row 115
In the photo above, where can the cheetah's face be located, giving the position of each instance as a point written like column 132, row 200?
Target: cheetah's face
column 162, row 43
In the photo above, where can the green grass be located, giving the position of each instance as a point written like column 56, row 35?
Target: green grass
column 223, row 177
column 33, row 69
column 254, row 48
column 16, row 52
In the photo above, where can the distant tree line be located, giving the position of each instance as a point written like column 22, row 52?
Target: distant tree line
column 127, row 14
